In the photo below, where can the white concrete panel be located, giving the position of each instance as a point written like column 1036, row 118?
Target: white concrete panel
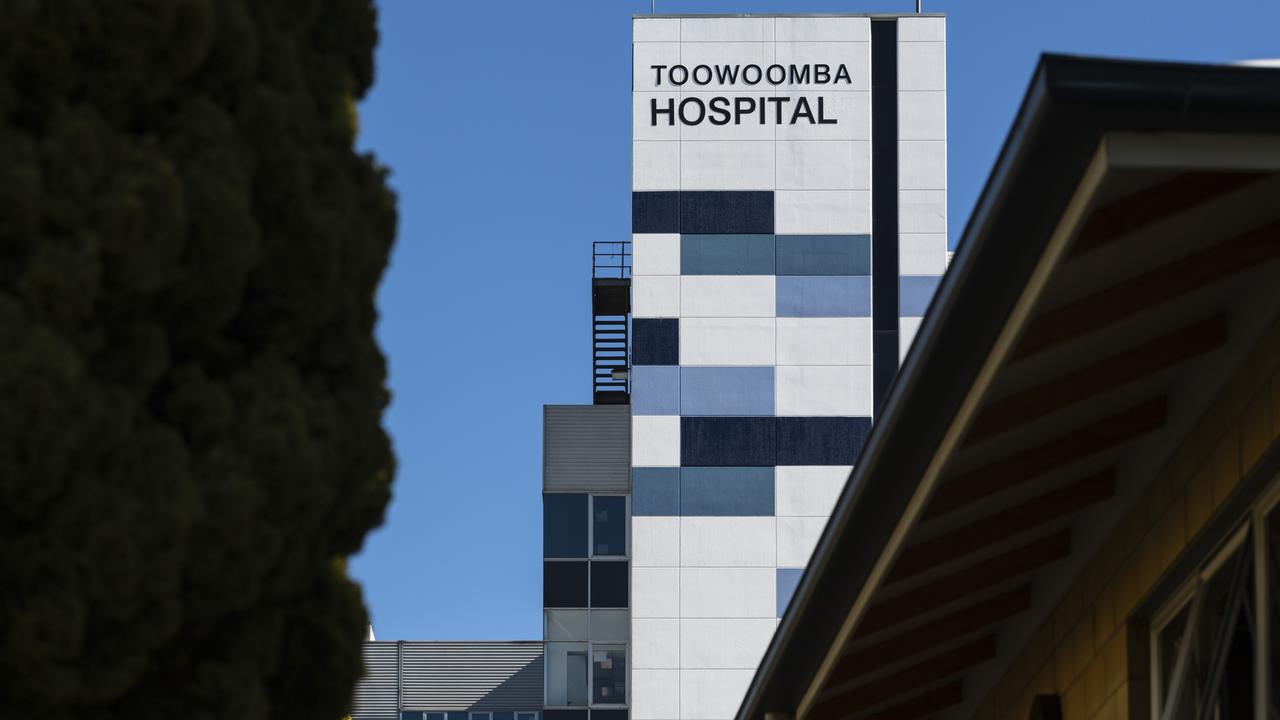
column 728, row 592
column 922, row 66
column 655, row 440
column 712, row 694
column 827, row 29
column 724, row 642
column 727, row 296
column 750, row 127
column 824, row 390
column 831, row 212
column 645, row 55
column 726, row 341
column 655, row 694
column 655, row 296
column 824, row 341
column 922, row 115
column 922, row 165
column 922, row 254
column 655, row 592
column 811, row 490
column 726, row 165
column 655, row 541
column 922, row 211
column 907, row 329
column 922, row 29
column 655, row 643
column 655, row 29
column 824, row 165
column 657, row 254
column 797, row 537
column 645, row 125
column 725, row 29
column 655, row 165
column 725, row 55
column 850, row 110
column 727, row 542
column 855, row 56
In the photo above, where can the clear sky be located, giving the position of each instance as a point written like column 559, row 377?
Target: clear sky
column 507, row 128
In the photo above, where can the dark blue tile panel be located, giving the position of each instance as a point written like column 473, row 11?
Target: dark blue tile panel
column 726, row 254
column 655, row 491
column 655, row 212
column 788, row 580
column 657, row 341
column 823, row 254
column 821, row 440
column 729, row 441
column 716, row 212
column 823, row 296
column 726, row 491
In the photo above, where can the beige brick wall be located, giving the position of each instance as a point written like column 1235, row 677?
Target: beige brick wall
column 1087, row 652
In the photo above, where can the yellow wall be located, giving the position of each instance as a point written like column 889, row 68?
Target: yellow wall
column 1087, row 652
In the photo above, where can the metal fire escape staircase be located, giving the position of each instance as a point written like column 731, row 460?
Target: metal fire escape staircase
column 611, row 323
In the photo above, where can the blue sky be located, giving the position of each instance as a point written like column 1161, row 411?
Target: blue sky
column 507, row 129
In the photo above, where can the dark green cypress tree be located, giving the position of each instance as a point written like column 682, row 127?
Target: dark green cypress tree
column 190, row 390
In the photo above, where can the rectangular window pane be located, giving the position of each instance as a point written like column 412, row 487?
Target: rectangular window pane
column 609, row 674
column 479, row 716
column 609, row 583
column 526, row 716
column 610, row 530
column 567, row 625
column 564, row 584
column 610, row 625
column 435, row 716
column 564, row 526
column 566, row 674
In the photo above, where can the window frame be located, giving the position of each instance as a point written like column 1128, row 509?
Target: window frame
column 1249, row 535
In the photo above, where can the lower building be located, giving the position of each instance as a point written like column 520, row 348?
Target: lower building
column 438, row 680
column 1070, row 505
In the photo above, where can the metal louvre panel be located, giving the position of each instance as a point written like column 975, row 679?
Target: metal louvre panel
column 471, row 676
column 375, row 696
column 586, row 448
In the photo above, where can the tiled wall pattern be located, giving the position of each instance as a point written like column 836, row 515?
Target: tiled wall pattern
column 752, row 361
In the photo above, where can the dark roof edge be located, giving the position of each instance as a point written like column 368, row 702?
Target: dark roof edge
column 1070, row 103
column 824, row 595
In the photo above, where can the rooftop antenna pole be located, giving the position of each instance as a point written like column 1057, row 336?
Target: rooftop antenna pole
column 918, row 8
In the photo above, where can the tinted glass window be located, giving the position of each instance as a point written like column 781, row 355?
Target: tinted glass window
column 609, row 674
column 564, row 584
column 564, row 526
column 609, row 514
column 609, row 584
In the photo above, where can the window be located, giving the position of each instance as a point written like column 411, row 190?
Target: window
column 609, row 525
column 608, row 674
column 609, row 584
column 526, row 716
column 564, row 526
column 1214, row 645
column 480, row 716
column 566, row 674
column 564, row 584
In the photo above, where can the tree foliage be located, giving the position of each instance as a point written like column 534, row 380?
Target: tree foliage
column 190, row 390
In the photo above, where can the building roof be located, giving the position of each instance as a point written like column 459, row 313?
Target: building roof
column 1121, row 256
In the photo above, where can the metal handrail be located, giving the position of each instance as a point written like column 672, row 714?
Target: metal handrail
column 611, row 259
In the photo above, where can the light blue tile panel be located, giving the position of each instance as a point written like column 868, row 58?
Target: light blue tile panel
column 823, row 295
column 655, row 491
column 824, row 255
column 655, row 390
column 914, row 294
column 788, row 580
column 726, row 491
column 726, row 254
column 726, row 391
